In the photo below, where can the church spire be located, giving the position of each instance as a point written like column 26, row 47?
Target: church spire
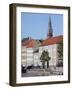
column 50, row 31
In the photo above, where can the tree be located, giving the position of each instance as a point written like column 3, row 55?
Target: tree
column 60, row 50
column 45, row 58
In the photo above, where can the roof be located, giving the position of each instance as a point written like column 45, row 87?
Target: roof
column 29, row 43
column 25, row 39
column 52, row 40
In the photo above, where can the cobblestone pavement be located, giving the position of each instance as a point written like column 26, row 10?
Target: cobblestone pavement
column 43, row 72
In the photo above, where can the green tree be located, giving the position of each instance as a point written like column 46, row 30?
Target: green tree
column 45, row 58
column 60, row 50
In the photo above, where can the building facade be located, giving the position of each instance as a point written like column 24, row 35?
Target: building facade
column 30, row 52
column 51, row 45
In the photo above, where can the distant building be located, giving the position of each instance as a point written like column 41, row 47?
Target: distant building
column 30, row 52
column 32, row 49
column 51, row 45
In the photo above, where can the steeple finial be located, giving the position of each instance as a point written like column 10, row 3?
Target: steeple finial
column 50, row 31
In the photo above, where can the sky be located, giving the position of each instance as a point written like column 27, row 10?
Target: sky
column 35, row 25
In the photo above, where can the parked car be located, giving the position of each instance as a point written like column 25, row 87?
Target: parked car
column 60, row 63
column 24, row 70
column 30, row 67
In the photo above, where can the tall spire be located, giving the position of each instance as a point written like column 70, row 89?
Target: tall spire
column 50, row 31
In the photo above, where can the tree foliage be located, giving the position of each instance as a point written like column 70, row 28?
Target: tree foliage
column 44, row 57
column 60, row 50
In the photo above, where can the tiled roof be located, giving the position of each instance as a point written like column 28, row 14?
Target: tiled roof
column 49, row 41
column 52, row 40
column 29, row 43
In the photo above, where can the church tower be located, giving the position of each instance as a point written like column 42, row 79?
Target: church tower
column 50, row 31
